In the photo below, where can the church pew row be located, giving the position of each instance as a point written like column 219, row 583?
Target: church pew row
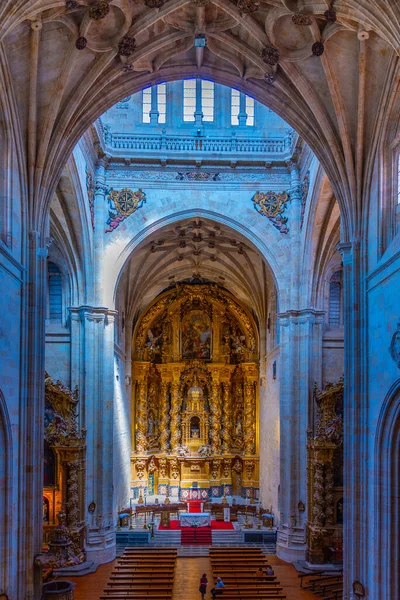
column 248, row 594
column 248, row 581
column 317, row 575
column 137, row 595
column 116, row 587
column 239, row 585
column 317, row 583
column 238, row 570
column 142, row 569
column 145, row 552
column 142, row 577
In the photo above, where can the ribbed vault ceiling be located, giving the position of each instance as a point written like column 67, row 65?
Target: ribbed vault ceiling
column 196, row 249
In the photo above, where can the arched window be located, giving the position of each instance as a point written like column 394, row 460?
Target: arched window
column 335, row 300
column 242, row 109
column 55, row 292
column 154, row 104
column 198, row 93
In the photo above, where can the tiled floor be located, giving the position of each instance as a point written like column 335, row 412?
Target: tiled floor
column 186, row 585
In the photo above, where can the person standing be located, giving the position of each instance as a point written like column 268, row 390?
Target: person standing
column 203, row 585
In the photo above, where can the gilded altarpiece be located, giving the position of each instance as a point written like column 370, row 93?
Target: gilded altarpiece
column 195, row 395
column 64, row 476
column 325, row 477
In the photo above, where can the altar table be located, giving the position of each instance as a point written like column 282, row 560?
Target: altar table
column 194, row 520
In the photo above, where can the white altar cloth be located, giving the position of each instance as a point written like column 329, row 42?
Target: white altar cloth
column 194, row 520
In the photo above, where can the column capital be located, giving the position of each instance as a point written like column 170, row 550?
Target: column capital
column 250, row 372
column 347, row 250
column 140, row 370
column 165, row 373
column 92, row 313
column 301, row 316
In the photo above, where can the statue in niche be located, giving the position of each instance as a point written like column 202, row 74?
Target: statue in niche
column 151, row 425
column 46, row 511
column 239, row 427
column 195, row 428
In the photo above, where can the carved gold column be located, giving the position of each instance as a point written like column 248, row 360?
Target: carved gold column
column 216, row 412
column 164, row 417
column 250, row 375
column 319, row 503
column 141, row 373
column 226, row 433
column 226, row 426
column 329, row 493
column 166, row 377
column 175, row 417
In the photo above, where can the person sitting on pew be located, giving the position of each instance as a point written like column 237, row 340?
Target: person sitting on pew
column 260, row 573
column 269, row 570
column 218, row 587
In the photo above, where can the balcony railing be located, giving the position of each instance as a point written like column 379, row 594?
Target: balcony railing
column 199, row 144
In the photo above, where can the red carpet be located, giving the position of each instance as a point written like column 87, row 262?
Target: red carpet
column 194, row 506
column 216, row 525
column 199, row 536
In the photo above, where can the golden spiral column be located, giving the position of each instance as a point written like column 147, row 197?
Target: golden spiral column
column 250, row 377
column 216, row 413
column 175, row 416
column 164, row 417
column 141, row 417
column 140, row 375
column 226, row 425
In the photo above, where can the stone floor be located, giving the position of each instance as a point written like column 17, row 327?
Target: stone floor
column 186, row 585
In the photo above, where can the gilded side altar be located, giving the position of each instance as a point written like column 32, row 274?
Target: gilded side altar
column 195, row 395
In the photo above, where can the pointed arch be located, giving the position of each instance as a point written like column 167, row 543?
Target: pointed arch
column 6, row 461
column 387, row 495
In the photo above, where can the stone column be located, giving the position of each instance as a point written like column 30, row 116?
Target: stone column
column 92, row 354
column 242, row 116
column 198, row 114
column 301, row 351
column 100, row 213
column 154, row 113
column 356, row 525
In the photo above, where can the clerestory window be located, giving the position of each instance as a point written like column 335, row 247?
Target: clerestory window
column 335, row 300
column 242, row 109
column 154, row 104
column 55, row 292
column 146, row 105
column 198, row 98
